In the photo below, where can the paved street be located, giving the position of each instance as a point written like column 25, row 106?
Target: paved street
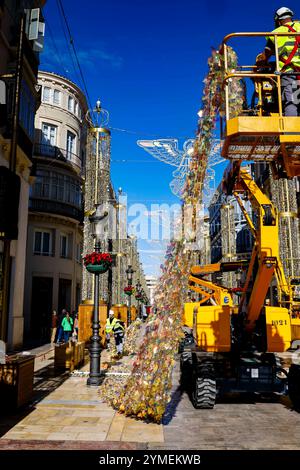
column 234, row 423
column 69, row 415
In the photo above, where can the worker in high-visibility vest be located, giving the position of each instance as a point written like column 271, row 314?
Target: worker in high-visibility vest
column 116, row 327
column 108, row 327
column 289, row 59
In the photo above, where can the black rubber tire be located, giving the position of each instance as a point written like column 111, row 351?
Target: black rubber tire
column 204, row 393
column 185, row 369
column 294, row 385
column 181, row 346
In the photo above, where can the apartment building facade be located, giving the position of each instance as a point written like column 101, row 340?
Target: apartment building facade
column 21, row 41
column 55, row 222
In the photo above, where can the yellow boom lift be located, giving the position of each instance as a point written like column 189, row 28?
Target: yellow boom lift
column 234, row 345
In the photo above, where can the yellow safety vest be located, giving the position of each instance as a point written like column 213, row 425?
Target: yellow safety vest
column 286, row 45
column 109, row 325
column 118, row 325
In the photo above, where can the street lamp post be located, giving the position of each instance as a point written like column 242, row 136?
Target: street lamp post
column 129, row 273
column 95, row 348
column 138, row 291
column 143, row 303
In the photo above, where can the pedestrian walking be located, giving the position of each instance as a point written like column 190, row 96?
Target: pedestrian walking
column 60, row 332
column 67, row 327
column 144, row 313
column 76, row 326
column 54, row 323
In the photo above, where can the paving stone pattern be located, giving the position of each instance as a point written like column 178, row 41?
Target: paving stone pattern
column 66, row 414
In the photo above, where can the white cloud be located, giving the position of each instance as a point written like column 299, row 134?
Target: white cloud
column 90, row 57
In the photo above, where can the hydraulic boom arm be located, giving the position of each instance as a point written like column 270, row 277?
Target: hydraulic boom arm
column 266, row 245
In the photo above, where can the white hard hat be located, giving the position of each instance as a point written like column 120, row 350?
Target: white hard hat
column 111, row 312
column 283, row 13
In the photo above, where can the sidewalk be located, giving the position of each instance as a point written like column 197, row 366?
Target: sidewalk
column 67, row 414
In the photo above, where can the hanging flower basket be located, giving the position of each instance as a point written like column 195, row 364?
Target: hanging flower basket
column 97, row 268
column 97, row 262
column 128, row 290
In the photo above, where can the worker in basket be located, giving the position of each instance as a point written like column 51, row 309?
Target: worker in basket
column 289, row 59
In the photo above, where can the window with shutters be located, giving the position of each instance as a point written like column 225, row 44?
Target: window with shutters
column 56, row 96
column 71, row 144
column 64, row 245
column 42, row 242
column 79, row 248
column 56, row 186
column 71, row 104
column 46, row 95
column 51, row 96
column 49, row 133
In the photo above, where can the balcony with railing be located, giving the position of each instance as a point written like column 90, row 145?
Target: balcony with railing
column 53, row 152
column 56, row 192
column 55, row 207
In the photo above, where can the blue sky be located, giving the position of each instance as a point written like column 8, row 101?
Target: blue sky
column 146, row 61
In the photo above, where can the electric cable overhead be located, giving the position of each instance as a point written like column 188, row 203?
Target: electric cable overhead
column 57, row 52
column 70, row 42
column 61, row 8
column 145, row 134
column 69, row 48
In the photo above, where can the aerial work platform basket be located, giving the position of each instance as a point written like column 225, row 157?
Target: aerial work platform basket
column 260, row 132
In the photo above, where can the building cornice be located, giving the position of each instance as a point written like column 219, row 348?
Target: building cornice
column 54, row 219
column 61, row 80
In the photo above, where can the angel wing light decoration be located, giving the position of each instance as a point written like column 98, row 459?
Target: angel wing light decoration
column 167, row 151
